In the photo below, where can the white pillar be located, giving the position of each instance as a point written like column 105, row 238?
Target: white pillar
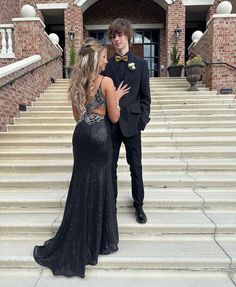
column 4, row 43
column 9, row 38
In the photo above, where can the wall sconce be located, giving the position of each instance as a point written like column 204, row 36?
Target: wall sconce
column 177, row 31
column 71, row 35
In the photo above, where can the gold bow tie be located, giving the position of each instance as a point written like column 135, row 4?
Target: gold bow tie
column 119, row 58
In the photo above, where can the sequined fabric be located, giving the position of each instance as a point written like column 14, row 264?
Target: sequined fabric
column 97, row 101
column 89, row 225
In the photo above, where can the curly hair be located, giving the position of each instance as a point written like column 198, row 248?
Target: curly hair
column 84, row 72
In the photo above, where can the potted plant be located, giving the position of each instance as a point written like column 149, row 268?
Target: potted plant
column 175, row 68
column 194, row 70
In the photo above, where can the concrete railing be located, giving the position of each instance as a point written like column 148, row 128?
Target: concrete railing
column 6, row 47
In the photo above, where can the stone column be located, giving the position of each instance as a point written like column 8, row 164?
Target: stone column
column 175, row 17
column 28, row 36
column 73, row 21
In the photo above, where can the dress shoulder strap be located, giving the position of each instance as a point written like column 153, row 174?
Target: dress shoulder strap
column 100, row 85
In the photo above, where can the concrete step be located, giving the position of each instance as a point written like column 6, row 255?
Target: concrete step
column 58, row 165
column 55, row 100
column 29, row 198
column 190, row 132
column 182, row 84
column 167, row 108
column 164, row 252
column 155, row 95
column 189, row 99
column 53, row 143
column 222, row 152
column 68, row 123
column 43, row 102
column 180, row 92
column 152, row 125
column 43, row 127
column 116, row 278
column 63, row 94
column 160, row 132
column 33, row 198
column 49, row 108
column 217, row 119
column 159, row 222
column 192, row 124
column 42, row 114
column 35, row 166
column 151, row 179
column 45, row 120
column 159, row 86
column 183, row 112
column 196, row 111
column 176, row 88
column 191, row 106
column 194, row 118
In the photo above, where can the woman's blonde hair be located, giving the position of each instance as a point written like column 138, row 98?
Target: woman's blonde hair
column 84, row 72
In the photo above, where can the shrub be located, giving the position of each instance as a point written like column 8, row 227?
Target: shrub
column 175, row 57
column 196, row 60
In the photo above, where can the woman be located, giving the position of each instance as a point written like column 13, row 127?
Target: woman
column 89, row 225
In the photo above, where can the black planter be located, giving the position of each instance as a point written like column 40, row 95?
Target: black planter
column 175, row 71
column 193, row 75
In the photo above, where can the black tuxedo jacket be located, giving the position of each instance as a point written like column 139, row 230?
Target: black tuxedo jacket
column 135, row 106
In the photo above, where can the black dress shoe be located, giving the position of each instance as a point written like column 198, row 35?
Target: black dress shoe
column 140, row 215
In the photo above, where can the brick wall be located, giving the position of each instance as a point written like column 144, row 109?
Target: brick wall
column 9, row 9
column 31, row 40
column 218, row 45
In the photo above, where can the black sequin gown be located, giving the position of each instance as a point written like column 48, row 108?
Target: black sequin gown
column 89, row 225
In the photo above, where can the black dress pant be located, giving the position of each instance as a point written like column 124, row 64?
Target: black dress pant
column 133, row 156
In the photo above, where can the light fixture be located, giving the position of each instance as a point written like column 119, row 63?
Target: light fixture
column 71, row 34
column 177, row 31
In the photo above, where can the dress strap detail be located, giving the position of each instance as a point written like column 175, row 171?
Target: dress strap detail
column 100, row 85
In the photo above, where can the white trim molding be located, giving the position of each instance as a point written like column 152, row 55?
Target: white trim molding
column 85, row 4
column 197, row 3
column 9, row 69
column 221, row 16
column 49, row 6
column 28, row 19
column 134, row 26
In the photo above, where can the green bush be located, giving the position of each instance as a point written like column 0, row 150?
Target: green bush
column 175, row 57
column 196, row 60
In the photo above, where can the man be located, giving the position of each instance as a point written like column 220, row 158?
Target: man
column 135, row 109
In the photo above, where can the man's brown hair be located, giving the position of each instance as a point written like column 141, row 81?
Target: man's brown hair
column 120, row 25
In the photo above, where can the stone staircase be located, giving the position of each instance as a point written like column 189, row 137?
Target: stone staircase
column 189, row 162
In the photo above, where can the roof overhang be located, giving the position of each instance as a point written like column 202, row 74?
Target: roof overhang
column 85, row 4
